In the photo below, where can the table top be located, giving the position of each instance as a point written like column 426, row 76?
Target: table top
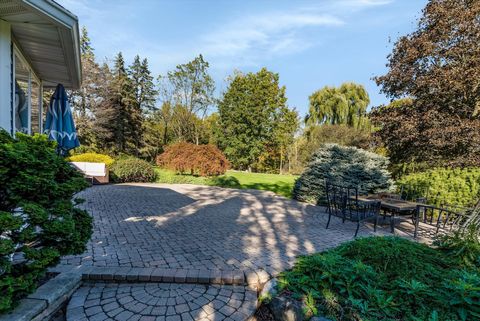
column 390, row 203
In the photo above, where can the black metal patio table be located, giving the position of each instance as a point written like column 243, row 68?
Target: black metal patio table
column 396, row 207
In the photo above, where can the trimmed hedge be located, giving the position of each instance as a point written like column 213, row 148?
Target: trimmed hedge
column 347, row 166
column 132, row 170
column 445, row 186
column 92, row 158
column 187, row 158
column 38, row 220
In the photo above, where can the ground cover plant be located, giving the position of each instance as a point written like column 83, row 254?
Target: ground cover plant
column 385, row 278
column 279, row 184
column 347, row 166
column 38, row 220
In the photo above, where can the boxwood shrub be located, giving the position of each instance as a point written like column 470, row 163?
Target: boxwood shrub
column 347, row 166
column 38, row 220
column 132, row 170
column 92, row 158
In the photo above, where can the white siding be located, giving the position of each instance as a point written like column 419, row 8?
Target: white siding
column 5, row 76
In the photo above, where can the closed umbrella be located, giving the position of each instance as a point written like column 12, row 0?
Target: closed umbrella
column 59, row 125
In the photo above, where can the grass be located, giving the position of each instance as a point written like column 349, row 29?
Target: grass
column 279, row 184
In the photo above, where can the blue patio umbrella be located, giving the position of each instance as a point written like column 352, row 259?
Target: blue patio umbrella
column 59, row 125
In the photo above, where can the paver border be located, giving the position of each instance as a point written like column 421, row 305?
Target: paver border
column 46, row 300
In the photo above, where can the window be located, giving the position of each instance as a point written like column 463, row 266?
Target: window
column 28, row 91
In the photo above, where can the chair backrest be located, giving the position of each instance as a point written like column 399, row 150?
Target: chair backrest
column 337, row 197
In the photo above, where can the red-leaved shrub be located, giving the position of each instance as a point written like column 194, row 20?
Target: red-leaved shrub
column 203, row 160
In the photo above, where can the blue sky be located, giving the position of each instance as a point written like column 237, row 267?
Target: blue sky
column 309, row 43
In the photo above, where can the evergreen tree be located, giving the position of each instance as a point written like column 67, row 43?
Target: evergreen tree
column 119, row 120
column 86, row 98
column 143, row 86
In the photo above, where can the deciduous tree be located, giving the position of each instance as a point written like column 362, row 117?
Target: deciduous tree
column 438, row 67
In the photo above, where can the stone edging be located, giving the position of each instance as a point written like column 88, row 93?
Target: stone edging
column 46, row 300
column 121, row 274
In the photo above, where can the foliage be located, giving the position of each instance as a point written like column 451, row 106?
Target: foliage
column 255, row 121
column 346, row 105
column 189, row 88
column 118, row 119
column 460, row 187
column 279, row 184
column 131, row 169
column 438, row 67
column 318, row 135
column 384, row 278
column 463, row 245
column 203, row 160
column 347, row 166
column 38, row 220
column 86, row 98
column 92, row 158
column 143, row 87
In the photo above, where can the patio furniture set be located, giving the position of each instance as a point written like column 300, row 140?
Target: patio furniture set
column 348, row 204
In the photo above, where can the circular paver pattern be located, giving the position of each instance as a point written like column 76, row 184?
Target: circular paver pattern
column 160, row 301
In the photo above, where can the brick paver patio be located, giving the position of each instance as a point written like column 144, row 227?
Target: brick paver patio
column 188, row 237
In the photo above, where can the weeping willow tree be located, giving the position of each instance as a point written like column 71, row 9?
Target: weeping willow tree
column 344, row 105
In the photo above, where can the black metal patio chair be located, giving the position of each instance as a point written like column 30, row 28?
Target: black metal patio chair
column 343, row 202
column 446, row 219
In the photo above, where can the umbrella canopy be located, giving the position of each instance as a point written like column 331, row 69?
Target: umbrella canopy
column 59, row 125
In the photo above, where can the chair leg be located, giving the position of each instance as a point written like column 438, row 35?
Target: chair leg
column 358, row 227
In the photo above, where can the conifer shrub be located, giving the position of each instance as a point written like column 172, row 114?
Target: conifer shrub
column 187, row 158
column 458, row 186
column 92, row 158
column 38, row 219
column 132, row 169
column 342, row 165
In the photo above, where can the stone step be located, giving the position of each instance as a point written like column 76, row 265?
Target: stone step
column 161, row 302
column 254, row 279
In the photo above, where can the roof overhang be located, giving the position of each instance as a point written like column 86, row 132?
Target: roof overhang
column 48, row 36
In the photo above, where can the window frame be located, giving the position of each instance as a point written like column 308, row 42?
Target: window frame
column 32, row 76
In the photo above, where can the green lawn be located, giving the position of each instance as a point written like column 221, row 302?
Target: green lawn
column 279, row 184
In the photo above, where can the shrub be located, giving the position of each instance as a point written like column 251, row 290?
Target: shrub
column 384, row 278
column 132, row 170
column 462, row 245
column 445, row 186
column 92, row 158
column 203, row 160
column 347, row 166
column 38, row 220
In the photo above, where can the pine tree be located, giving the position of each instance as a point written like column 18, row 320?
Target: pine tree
column 85, row 100
column 119, row 120
column 144, row 88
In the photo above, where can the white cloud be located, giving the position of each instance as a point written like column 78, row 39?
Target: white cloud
column 267, row 34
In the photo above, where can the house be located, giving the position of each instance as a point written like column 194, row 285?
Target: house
column 39, row 48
